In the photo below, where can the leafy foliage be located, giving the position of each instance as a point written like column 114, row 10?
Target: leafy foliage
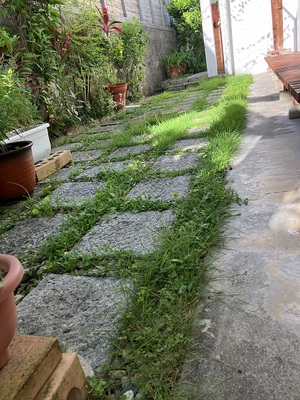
column 16, row 109
column 66, row 57
column 130, row 67
column 188, row 23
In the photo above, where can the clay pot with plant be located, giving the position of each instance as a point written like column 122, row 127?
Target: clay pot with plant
column 175, row 64
column 114, row 52
column 11, row 273
column 17, row 178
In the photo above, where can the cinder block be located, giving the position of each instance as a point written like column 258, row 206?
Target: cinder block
column 294, row 111
column 67, row 382
column 284, row 95
column 33, row 361
column 51, row 164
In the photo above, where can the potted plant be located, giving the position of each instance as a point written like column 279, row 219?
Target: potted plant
column 114, row 50
column 17, row 177
column 175, row 63
column 11, row 273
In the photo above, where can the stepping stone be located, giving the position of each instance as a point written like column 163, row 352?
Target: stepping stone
column 86, row 155
column 165, row 189
column 178, row 162
column 127, row 231
column 214, row 96
column 198, row 129
column 69, row 146
column 125, row 151
column 93, row 172
column 82, row 312
column 74, row 193
column 62, row 174
column 108, row 127
column 98, row 143
column 187, row 145
column 30, row 234
column 140, row 138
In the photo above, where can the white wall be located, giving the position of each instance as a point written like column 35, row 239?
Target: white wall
column 247, row 33
column 252, row 37
column 291, row 32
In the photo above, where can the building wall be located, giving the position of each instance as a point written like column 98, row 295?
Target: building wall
column 247, row 33
column 252, row 38
column 162, row 41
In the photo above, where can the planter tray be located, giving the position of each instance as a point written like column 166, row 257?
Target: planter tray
column 51, row 164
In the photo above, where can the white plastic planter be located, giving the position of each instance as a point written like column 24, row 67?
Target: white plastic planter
column 38, row 135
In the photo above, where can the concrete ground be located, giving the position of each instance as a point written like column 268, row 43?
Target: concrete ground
column 247, row 339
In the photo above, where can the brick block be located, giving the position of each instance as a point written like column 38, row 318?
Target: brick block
column 66, row 382
column 33, row 361
column 54, row 162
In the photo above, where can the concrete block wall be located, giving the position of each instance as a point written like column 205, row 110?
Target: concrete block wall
column 162, row 41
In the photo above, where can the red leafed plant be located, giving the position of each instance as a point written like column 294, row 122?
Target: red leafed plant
column 107, row 26
column 61, row 43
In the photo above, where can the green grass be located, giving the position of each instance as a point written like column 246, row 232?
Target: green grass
column 170, row 283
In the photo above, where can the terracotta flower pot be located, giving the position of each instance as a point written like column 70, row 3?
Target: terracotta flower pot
column 13, row 271
column 173, row 72
column 17, row 178
column 119, row 94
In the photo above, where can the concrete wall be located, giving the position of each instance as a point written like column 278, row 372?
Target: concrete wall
column 247, row 33
column 162, row 41
column 251, row 25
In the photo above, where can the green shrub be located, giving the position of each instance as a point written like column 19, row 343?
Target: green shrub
column 130, row 67
column 16, row 109
column 188, row 23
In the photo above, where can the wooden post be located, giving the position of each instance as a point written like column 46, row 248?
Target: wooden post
column 218, row 37
column 277, row 24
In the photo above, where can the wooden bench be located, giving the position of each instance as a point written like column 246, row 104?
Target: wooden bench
column 287, row 69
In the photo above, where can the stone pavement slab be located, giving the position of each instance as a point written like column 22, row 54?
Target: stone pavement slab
column 214, row 96
column 177, row 162
column 88, row 155
column 82, row 312
column 187, row 145
column 198, row 129
column 69, row 146
column 125, row 151
column 29, row 234
column 74, row 193
column 165, row 189
column 98, row 144
column 135, row 233
column 62, row 175
column 94, row 171
column 109, row 126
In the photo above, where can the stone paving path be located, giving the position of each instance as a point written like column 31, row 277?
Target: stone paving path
column 83, row 311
